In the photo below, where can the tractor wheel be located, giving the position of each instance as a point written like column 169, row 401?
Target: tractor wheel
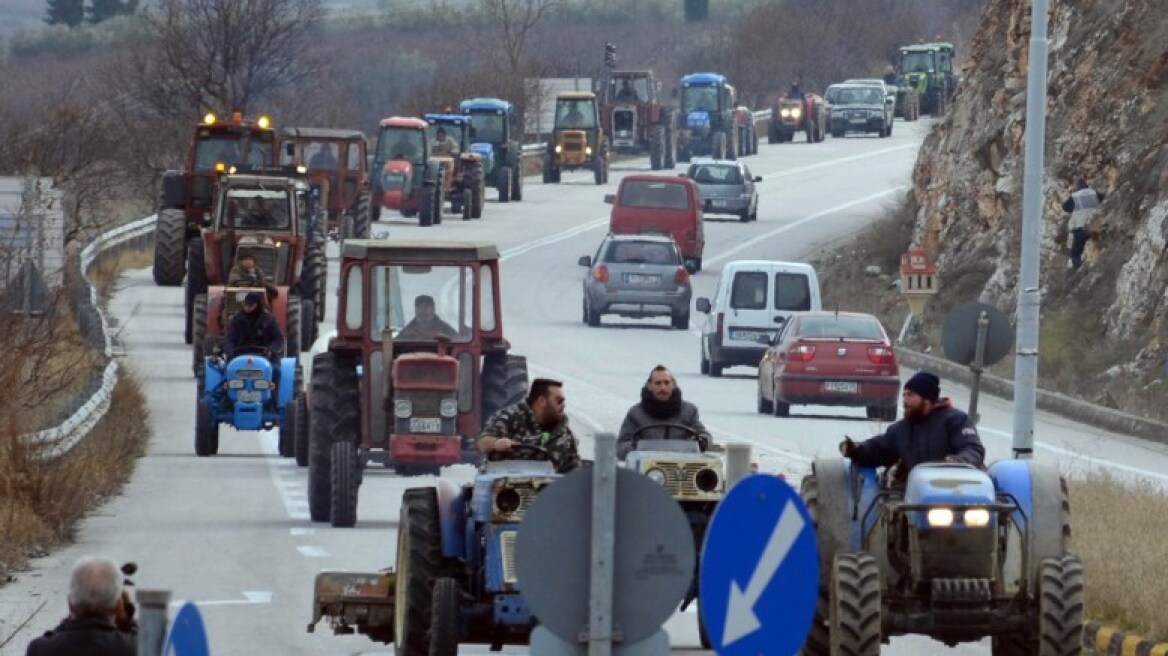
column 196, row 281
column 504, row 181
column 503, row 382
column 478, row 194
column 426, row 207
column 346, row 480
column 199, row 335
column 170, row 242
column 364, row 216
column 439, row 203
column 307, row 324
column 598, row 169
column 855, row 605
column 300, row 444
column 466, row 204
column 293, row 323
column 517, row 183
column 772, row 134
column 419, row 556
column 206, row 431
column 548, row 167
column 670, row 159
column 445, row 620
column 286, row 433
column 334, row 416
column 1060, row 623
column 656, row 147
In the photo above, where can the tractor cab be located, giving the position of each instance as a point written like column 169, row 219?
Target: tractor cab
column 492, row 139
column 577, row 140
column 407, row 179
column 337, row 164
column 928, row 68
column 463, row 181
column 706, row 117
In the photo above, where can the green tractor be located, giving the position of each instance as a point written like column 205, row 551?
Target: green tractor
column 927, row 68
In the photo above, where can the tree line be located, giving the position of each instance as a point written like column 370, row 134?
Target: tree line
column 74, row 12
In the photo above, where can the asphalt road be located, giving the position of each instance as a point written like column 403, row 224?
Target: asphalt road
column 232, row 532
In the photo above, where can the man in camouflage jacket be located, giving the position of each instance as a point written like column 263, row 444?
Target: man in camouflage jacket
column 539, row 421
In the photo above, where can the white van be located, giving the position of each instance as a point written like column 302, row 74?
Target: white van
column 753, row 300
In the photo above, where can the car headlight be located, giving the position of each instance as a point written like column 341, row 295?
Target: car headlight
column 261, row 384
column 448, row 408
column 403, row 408
column 235, row 384
column 977, row 517
column 940, row 517
column 656, row 475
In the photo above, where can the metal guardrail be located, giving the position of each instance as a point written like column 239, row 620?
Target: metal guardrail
column 538, row 149
column 59, row 439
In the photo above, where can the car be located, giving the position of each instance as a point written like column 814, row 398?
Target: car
column 873, row 82
column 637, row 276
column 726, row 187
column 859, row 108
column 659, row 204
column 830, row 358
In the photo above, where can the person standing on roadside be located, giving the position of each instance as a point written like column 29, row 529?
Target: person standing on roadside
column 1081, row 204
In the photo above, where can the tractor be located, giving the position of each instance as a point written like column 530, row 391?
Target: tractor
column 747, row 132
column 956, row 553
column 454, row 581
column 280, row 241
column 491, row 137
column 927, row 68
column 804, row 113
column 406, row 178
column 577, row 141
column 243, row 394
column 908, row 102
column 635, row 119
column 337, row 163
column 465, row 184
column 186, row 197
column 412, row 392
column 706, row 118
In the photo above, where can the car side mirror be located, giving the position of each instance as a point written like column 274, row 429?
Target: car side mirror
column 610, row 198
column 584, row 261
column 703, row 305
column 758, row 178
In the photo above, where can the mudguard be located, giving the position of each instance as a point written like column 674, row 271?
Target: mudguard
column 286, row 391
column 841, row 522
column 212, row 376
column 451, row 519
column 1038, row 489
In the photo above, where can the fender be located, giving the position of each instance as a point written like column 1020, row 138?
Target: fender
column 451, row 519
column 1038, row 489
column 286, row 390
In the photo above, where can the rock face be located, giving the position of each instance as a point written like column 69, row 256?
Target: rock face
column 1107, row 122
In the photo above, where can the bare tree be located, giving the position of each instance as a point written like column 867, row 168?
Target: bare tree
column 218, row 55
column 516, row 19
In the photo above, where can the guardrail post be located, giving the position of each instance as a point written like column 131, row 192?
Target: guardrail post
column 152, row 621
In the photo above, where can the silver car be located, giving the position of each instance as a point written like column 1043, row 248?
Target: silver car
column 637, row 276
column 726, row 187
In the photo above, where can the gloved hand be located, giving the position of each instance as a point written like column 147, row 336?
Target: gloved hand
column 952, row 459
column 847, row 447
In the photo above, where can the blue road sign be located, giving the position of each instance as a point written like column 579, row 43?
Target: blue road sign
column 759, row 574
column 187, row 635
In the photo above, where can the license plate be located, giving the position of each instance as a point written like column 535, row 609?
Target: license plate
column 841, row 387
column 717, row 203
column 859, row 120
column 250, row 396
column 425, row 425
column 642, row 279
column 749, row 335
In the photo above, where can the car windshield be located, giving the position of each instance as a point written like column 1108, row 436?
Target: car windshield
column 915, row 62
column 418, row 301
column 575, row 113
column 487, row 128
column 667, row 195
column 256, row 209
column 400, row 143
column 716, row 174
column 211, row 150
column 641, row 252
column 840, row 327
column 858, row 96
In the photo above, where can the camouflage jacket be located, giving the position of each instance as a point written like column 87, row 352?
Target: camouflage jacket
column 517, row 423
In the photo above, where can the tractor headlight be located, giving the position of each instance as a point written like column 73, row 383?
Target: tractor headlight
column 940, row 517
column 706, row 480
column 403, row 408
column 559, row 149
column 235, row 384
column 507, row 501
column 264, row 122
column 977, row 517
column 784, row 112
column 587, row 150
column 796, row 113
column 448, row 407
column 209, row 118
column 261, row 384
column 656, row 475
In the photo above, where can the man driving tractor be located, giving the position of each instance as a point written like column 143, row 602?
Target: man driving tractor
column 538, row 422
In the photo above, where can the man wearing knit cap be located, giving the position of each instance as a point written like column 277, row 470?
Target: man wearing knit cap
column 932, row 430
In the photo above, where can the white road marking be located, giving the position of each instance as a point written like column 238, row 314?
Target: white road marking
column 249, row 597
column 312, row 551
column 301, row 531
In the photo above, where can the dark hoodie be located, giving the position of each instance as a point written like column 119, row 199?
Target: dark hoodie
column 944, row 431
column 651, row 411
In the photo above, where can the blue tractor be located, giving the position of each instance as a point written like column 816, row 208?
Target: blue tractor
column 492, row 139
column 241, row 394
column 958, row 554
column 706, row 118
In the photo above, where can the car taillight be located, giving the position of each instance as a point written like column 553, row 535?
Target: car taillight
column 802, row 353
column 600, row 273
column 881, row 355
column 681, row 277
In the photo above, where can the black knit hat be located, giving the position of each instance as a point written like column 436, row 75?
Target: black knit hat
column 253, row 298
column 925, row 384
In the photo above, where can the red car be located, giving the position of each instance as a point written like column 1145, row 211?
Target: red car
column 830, row 358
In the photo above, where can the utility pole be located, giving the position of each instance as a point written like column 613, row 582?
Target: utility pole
column 1029, row 298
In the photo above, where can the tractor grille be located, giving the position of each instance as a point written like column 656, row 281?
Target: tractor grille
column 679, row 477
column 507, row 548
column 574, row 141
column 266, row 258
column 526, row 489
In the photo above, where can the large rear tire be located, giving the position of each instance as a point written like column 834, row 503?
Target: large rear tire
column 504, row 180
column 445, row 629
column 206, row 431
column 504, row 382
column 478, row 193
column 196, row 282
column 855, row 605
column 334, row 416
column 419, row 556
column 170, row 243
column 300, row 444
column 517, row 181
column 293, row 323
column 346, row 481
column 307, row 324
column 363, row 218
column 670, row 159
column 657, row 147
column 426, row 207
column 199, row 335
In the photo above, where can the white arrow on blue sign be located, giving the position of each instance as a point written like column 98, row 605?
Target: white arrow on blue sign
column 759, row 575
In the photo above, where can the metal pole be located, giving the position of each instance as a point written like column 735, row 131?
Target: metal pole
column 152, row 621
column 600, row 634
column 978, row 366
column 737, row 462
column 1026, row 361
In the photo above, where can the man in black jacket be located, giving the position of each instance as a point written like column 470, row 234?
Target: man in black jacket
column 661, row 403
column 255, row 326
column 98, row 607
column 932, row 430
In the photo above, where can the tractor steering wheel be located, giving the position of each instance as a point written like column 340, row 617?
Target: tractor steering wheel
column 692, row 432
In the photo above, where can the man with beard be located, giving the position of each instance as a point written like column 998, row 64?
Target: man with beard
column 661, row 404
column 539, row 421
column 932, row 430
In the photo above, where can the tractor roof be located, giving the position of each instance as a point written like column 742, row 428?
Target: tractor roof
column 256, row 181
column 575, row 95
column 420, row 252
column 403, row 122
column 631, row 74
column 446, row 119
column 921, row 47
column 703, row 79
column 485, row 105
column 322, row 133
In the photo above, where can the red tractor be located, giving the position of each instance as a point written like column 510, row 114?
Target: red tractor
column 406, row 178
column 635, row 119
column 185, row 197
column 418, row 363
column 802, row 113
column 337, row 163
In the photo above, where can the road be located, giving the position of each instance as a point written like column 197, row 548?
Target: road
column 232, row 532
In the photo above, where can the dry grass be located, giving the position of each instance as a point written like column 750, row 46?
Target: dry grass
column 1118, row 531
column 105, row 273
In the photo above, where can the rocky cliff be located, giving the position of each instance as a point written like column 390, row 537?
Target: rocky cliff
column 1107, row 121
